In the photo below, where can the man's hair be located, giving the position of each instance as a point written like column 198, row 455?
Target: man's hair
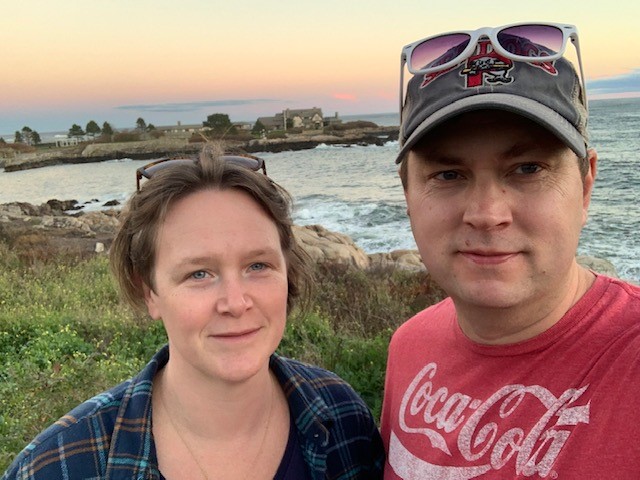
column 133, row 252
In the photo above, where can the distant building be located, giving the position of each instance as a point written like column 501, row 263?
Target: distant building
column 332, row 120
column 304, row 118
column 180, row 130
column 243, row 125
column 65, row 141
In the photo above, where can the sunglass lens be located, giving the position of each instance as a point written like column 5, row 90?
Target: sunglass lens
column 438, row 51
column 247, row 162
column 532, row 40
column 149, row 170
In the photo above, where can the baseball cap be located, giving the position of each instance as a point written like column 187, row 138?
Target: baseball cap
column 548, row 93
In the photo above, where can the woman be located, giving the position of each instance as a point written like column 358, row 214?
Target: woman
column 206, row 247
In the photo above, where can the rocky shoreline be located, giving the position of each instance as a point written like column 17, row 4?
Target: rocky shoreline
column 167, row 146
column 62, row 228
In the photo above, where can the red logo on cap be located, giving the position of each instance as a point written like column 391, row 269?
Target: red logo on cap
column 487, row 66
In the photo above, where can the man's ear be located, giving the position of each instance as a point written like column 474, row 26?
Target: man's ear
column 588, row 181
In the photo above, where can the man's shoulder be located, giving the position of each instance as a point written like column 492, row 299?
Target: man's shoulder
column 615, row 298
column 430, row 317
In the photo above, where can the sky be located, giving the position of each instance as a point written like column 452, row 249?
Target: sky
column 71, row 61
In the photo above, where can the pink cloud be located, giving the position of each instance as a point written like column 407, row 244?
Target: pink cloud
column 349, row 97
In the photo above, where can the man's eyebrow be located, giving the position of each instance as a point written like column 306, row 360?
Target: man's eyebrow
column 433, row 156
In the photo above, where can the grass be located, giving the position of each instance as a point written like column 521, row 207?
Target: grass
column 65, row 335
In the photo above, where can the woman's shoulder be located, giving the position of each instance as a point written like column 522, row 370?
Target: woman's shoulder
column 310, row 384
column 80, row 441
column 85, row 430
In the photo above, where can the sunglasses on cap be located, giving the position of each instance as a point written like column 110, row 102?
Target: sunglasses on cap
column 150, row 169
column 546, row 41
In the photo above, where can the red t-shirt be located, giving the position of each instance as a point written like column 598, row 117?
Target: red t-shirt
column 563, row 405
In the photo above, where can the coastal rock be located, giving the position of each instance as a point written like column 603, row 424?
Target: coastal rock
column 408, row 260
column 598, row 265
column 324, row 246
column 39, row 232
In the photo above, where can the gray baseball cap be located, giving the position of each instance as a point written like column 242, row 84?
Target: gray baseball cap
column 548, row 93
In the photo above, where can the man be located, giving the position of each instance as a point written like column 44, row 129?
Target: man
column 530, row 369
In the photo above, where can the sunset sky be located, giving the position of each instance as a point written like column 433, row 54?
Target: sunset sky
column 67, row 61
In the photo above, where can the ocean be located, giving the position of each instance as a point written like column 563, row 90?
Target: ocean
column 356, row 190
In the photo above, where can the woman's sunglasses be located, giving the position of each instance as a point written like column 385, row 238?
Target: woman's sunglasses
column 150, row 169
column 524, row 42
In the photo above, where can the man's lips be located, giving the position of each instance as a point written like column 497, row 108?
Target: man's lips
column 488, row 257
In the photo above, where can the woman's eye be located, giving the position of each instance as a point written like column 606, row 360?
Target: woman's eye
column 257, row 267
column 528, row 168
column 199, row 275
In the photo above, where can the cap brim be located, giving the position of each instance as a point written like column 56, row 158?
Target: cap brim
column 546, row 117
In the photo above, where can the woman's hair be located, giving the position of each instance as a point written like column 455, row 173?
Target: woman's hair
column 133, row 251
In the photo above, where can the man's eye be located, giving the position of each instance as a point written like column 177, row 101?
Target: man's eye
column 528, row 168
column 447, row 175
column 199, row 275
column 257, row 267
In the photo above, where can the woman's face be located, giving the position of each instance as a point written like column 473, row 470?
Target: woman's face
column 220, row 285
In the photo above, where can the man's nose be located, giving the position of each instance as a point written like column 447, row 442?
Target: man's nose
column 488, row 206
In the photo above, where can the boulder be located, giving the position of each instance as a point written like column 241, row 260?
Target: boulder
column 324, row 246
column 598, row 265
column 408, row 260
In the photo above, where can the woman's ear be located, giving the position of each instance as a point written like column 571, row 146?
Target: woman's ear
column 151, row 299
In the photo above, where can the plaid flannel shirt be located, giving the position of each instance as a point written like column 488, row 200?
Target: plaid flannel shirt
column 110, row 437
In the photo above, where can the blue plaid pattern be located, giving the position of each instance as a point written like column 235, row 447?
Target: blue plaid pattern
column 109, row 436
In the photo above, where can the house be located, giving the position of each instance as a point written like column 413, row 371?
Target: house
column 304, row 118
column 181, row 131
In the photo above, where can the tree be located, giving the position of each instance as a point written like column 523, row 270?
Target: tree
column 29, row 136
column 141, row 124
column 150, row 127
column 76, row 131
column 93, row 128
column 258, row 127
column 2, row 141
column 35, row 138
column 220, row 123
column 26, row 135
column 18, row 137
column 107, row 129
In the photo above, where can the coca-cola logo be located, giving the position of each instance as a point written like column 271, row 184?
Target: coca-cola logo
column 483, row 432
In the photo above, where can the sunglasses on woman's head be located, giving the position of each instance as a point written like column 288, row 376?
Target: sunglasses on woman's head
column 524, row 42
column 148, row 170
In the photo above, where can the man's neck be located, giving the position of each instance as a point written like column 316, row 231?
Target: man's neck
column 502, row 326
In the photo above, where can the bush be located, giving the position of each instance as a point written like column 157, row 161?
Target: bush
column 340, row 127
column 276, row 134
column 126, row 137
column 372, row 302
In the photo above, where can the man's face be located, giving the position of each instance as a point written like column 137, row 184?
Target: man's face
column 496, row 205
